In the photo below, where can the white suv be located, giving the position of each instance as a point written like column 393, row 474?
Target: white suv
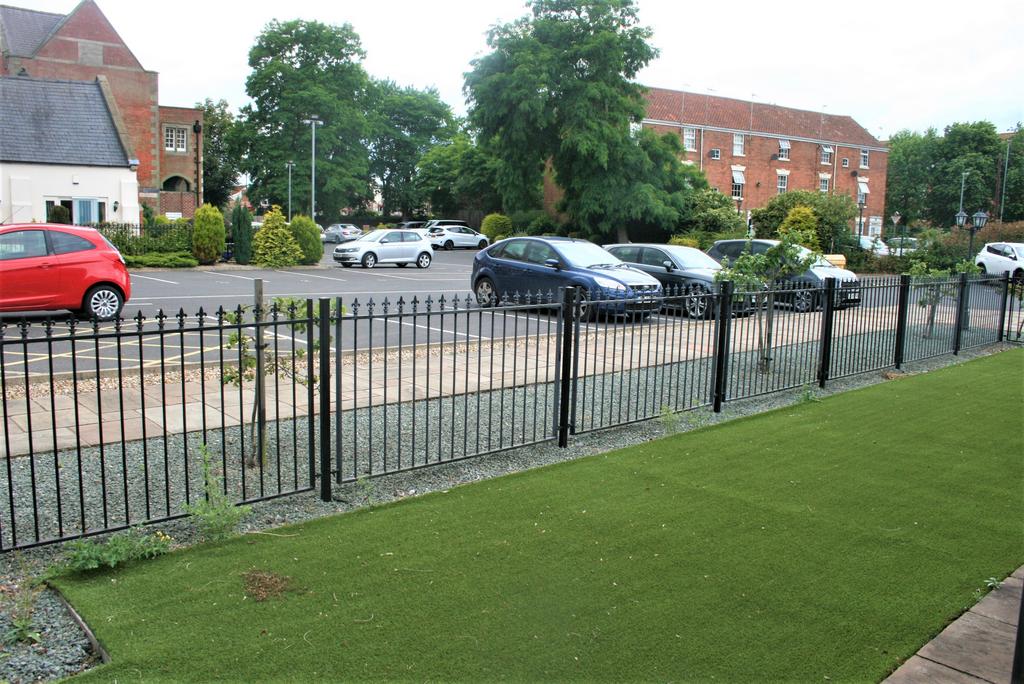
column 450, row 237
column 997, row 258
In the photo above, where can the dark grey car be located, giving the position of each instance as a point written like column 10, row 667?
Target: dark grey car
column 680, row 270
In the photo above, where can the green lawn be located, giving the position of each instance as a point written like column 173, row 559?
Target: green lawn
column 827, row 540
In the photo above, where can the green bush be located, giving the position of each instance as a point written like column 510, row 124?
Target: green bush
column 161, row 220
column 58, row 214
column 495, row 225
column 148, row 215
column 133, row 544
column 801, row 225
column 684, row 241
column 241, row 229
column 208, row 234
column 161, row 260
column 307, row 235
column 133, row 240
column 273, row 244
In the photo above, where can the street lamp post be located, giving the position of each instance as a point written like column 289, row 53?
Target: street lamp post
column 860, row 221
column 291, row 165
column 895, row 220
column 963, row 177
column 978, row 222
column 313, row 122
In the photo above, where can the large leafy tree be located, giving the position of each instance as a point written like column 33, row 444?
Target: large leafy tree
column 459, row 175
column 302, row 69
column 1012, row 197
column 558, row 85
column 406, row 123
column 971, row 148
column 833, row 213
column 220, row 159
column 911, row 159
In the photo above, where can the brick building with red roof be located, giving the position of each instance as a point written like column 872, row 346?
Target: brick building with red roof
column 164, row 143
column 753, row 151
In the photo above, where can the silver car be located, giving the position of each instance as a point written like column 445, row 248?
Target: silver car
column 401, row 247
column 341, row 232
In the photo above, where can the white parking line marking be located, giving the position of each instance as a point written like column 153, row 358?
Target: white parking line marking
column 310, row 275
column 159, row 280
column 437, row 330
column 300, row 294
column 229, row 275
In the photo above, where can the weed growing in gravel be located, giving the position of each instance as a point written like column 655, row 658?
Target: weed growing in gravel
column 366, row 487
column 19, row 602
column 215, row 514
column 133, row 544
column 807, row 396
column 669, row 420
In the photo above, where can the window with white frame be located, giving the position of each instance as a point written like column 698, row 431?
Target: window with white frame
column 738, row 181
column 784, row 150
column 823, row 183
column 716, row 153
column 737, row 144
column 846, row 162
column 864, row 159
column 862, row 191
column 175, row 138
column 690, row 139
column 782, row 184
column 826, row 154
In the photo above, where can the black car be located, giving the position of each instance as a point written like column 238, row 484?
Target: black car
column 804, row 285
column 680, row 270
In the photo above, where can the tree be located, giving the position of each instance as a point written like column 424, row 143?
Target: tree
column 458, row 175
column 273, row 244
column 406, row 123
column 974, row 149
column 241, row 230
column 208, row 234
column 709, row 211
column 559, row 85
column 302, row 69
column 801, row 226
column 833, row 212
column 307, row 235
column 220, row 159
column 1013, row 195
column 911, row 158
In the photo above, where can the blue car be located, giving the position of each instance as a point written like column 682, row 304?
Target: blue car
column 545, row 264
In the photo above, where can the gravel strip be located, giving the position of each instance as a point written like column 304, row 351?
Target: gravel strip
column 64, row 650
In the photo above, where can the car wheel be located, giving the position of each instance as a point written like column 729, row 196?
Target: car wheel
column 449, row 245
column 482, row 244
column 423, row 260
column 485, row 293
column 984, row 271
column 402, row 264
column 370, row 260
column 1018, row 275
column 103, row 302
column 698, row 302
column 584, row 308
column 803, row 301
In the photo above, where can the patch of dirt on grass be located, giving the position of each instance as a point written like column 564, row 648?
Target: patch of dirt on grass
column 262, row 585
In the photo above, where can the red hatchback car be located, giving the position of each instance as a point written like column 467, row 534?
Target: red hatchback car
column 45, row 267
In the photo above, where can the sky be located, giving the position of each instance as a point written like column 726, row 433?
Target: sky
column 890, row 64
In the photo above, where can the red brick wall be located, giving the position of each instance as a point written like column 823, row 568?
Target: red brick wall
column 180, row 163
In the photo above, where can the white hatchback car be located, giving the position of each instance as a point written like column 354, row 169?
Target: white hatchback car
column 997, row 258
column 400, row 247
column 450, row 237
column 874, row 245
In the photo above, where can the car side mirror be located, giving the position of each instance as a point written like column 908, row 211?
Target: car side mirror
column 384, row 241
column 552, row 263
column 668, row 265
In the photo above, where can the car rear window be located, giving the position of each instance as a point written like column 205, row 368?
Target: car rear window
column 66, row 243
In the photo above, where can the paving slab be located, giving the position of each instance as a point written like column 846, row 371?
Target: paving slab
column 919, row 669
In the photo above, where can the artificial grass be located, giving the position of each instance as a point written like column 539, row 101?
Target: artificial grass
column 823, row 540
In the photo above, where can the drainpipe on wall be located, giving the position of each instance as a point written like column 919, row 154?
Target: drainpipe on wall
column 702, row 149
column 197, row 129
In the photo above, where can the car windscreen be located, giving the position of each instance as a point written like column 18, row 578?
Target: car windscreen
column 585, row 254
column 820, row 261
column 693, row 258
column 373, row 236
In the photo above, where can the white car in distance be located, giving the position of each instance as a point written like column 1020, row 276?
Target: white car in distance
column 399, row 247
column 450, row 237
column 997, row 258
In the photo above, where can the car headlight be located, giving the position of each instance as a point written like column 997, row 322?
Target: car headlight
column 609, row 284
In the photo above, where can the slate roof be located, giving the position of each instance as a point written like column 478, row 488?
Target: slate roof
column 702, row 110
column 57, row 122
column 22, row 31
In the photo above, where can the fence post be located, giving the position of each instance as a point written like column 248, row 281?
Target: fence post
column 961, row 306
column 901, row 320
column 260, row 396
column 722, row 325
column 565, row 372
column 325, row 398
column 826, row 331
column 1003, row 323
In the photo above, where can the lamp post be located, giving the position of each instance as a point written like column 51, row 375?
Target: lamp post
column 197, row 128
column 291, row 165
column 313, row 122
column 978, row 222
column 895, row 220
column 860, row 221
column 963, row 177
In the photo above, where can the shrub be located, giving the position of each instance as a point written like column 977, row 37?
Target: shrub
column 208, row 234
column 684, row 241
column 241, row 228
column 801, row 225
column 522, row 220
column 148, row 216
column 494, row 225
column 161, row 260
column 161, row 220
column 58, row 214
column 273, row 244
column 307, row 235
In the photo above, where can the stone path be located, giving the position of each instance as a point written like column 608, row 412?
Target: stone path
column 977, row 647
